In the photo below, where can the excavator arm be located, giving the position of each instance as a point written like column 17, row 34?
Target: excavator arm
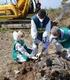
column 10, row 11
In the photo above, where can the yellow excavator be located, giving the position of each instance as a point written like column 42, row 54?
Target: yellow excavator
column 15, row 10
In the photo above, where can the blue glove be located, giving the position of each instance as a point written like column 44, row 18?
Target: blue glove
column 34, row 40
column 46, row 42
column 44, row 39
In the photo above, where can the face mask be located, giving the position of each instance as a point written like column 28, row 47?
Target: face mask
column 20, row 37
column 41, row 20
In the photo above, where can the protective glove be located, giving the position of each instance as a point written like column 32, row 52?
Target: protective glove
column 44, row 39
column 45, row 36
column 34, row 40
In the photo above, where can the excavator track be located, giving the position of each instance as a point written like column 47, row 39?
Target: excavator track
column 17, row 23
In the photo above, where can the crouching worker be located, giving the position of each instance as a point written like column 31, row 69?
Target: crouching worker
column 62, row 40
column 21, row 52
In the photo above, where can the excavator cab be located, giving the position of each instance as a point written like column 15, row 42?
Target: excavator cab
column 10, row 9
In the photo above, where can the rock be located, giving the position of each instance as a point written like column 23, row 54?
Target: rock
column 16, row 72
column 24, row 71
column 42, row 72
column 49, row 62
column 38, row 76
column 5, row 78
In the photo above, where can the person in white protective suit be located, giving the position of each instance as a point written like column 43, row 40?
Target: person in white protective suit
column 60, row 37
column 40, row 27
column 21, row 52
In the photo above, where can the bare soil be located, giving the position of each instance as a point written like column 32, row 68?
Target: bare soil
column 32, row 70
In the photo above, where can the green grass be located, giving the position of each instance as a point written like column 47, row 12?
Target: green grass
column 54, row 10
column 4, row 30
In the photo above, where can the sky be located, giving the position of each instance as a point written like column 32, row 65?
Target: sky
column 7, row 1
column 50, row 3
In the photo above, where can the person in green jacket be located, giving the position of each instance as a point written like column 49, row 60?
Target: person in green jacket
column 21, row 52
column 62, row 39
